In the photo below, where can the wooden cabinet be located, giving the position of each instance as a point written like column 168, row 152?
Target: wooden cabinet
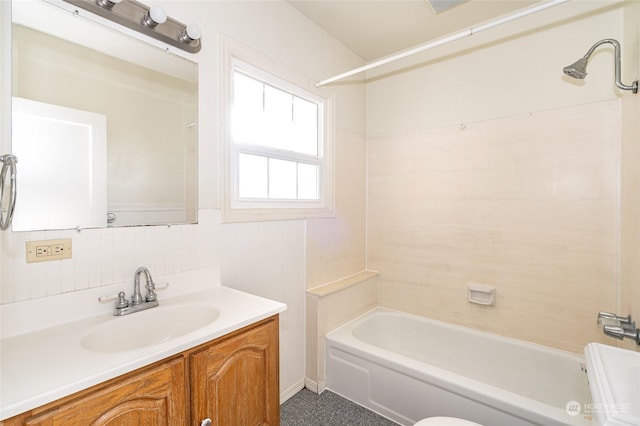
column 236, row 381
column 232, row 380
column 153, row 396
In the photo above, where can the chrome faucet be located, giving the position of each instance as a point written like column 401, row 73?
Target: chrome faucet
column 137, row 303
column 619, row 327
column 136, row 299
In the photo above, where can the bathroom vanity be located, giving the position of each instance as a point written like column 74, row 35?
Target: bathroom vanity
column 230, row 380
column 221, row 370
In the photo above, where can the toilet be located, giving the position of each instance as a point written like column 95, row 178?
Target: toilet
column 445, row 421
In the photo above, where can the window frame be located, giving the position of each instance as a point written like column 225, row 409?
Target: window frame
column 234, row 209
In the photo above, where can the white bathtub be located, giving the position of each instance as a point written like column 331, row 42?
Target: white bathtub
column 407, row 367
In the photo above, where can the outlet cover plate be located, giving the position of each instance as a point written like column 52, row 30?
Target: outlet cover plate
column 45, row 250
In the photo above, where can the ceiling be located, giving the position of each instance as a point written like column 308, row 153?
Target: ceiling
column 376, row 28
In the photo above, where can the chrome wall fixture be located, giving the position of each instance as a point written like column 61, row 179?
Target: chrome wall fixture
column 619, row 327
column 8, row 168
column 151, row 21
column 579, row 68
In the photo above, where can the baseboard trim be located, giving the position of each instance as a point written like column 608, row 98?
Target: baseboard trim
column 313, row 386
column 293, row 389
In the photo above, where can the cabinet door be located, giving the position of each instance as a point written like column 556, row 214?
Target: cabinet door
column 235, row 381
column 153, row 397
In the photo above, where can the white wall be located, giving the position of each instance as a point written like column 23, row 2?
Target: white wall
column 266, row 259
column 263, row 258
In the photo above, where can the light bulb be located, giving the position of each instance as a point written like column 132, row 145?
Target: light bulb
column 190, row 33
column 154, row 16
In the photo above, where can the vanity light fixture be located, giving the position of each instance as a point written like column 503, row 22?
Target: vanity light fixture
column 151, row 21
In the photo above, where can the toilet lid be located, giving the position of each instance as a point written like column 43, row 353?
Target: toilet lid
column 445, row 421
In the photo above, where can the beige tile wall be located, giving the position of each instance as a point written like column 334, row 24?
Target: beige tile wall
column 528, row 204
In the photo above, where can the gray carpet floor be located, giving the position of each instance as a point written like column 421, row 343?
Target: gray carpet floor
column 327, row 409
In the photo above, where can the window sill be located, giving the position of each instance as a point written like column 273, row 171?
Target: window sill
column 261, row 215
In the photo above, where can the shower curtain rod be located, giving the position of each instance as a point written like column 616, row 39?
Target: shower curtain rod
column 444, row 40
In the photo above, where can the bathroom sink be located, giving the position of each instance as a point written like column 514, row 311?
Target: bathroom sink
column 614, row 379
column 148, row 328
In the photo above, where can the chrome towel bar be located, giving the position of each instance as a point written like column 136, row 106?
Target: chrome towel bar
column 8, row 167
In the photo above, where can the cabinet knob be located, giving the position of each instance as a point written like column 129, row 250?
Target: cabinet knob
column 205, row 422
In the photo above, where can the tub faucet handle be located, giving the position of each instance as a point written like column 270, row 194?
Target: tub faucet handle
column 616, row 332
column 607, row 318
column 609, row 321
column 621, row 332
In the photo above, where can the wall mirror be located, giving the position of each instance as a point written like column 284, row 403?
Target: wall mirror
column 104, row 125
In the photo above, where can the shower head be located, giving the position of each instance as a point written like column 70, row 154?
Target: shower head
column 578, row 69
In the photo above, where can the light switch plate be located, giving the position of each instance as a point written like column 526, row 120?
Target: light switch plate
column 45, row 250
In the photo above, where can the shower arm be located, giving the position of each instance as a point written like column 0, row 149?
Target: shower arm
column 616, row 45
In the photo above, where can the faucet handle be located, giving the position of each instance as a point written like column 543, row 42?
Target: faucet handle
column 111, row 297
column 607, row 318
column 151, row 293
column 160, row 286
column 613, row 331
column 608, row 321
column 107, row 298
column 151, row 290
column 121, row 302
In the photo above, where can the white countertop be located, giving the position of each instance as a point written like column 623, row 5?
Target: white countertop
column 41, row 365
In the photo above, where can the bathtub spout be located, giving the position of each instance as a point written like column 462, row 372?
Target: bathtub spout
column 620, row 333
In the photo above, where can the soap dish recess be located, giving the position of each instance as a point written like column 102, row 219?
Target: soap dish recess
column 481, row 294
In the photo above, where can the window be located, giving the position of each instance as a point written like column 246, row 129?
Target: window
column 278, row 150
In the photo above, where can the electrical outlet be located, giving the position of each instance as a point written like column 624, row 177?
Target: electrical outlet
column 57, row 249
column 45, row 250
column 42, row 251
